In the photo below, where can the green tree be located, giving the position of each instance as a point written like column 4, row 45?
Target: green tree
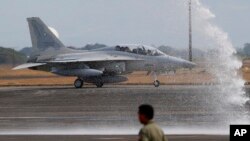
column 246, row 49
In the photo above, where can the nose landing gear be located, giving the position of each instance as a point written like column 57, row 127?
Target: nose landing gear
column 156, row 82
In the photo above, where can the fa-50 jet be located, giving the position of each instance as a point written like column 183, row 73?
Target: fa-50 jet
column 99, row 66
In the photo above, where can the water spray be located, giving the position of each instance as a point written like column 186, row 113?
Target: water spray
column 221, row 63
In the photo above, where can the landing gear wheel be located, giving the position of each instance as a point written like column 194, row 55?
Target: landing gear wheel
column 99, row 84
column 156, row 83
column 78, row 83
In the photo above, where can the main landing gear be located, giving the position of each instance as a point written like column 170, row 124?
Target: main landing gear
column 99, row 84
column 79, row 83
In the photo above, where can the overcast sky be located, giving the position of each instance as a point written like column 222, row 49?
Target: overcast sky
column 152, row 22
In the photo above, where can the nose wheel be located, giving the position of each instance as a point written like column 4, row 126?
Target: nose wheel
column 156, row 83
column 78, row 83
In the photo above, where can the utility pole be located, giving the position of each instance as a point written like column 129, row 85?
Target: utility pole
column 190, row 31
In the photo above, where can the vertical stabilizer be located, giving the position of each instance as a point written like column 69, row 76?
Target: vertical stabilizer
column 41, row 36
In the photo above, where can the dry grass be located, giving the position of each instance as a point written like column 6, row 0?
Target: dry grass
column 6, row 71
column 27, row 77
column 38, row 81
column 181, row 77
column 246, row 70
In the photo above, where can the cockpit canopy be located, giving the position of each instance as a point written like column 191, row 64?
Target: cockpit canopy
column 139, row 49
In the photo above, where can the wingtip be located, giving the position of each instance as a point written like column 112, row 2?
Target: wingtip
column 16, row 68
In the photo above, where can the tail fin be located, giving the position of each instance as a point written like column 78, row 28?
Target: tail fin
column 41, row 36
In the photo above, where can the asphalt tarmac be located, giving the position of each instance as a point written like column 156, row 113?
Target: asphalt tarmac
column 110, row 113
column 110, row 138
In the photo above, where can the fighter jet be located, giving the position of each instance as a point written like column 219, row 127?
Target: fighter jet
column 99, row 66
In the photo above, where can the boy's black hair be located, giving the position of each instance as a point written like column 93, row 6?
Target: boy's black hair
column 147, row 110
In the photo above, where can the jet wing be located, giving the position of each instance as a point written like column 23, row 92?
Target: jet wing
column 92, row 57
column 28, row 65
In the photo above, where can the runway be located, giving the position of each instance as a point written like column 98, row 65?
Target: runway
column 110, row 138
column 89, row 113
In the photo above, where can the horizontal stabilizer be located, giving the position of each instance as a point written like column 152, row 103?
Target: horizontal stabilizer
column 28, row 65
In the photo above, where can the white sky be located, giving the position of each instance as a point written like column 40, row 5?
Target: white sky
column 151, row 22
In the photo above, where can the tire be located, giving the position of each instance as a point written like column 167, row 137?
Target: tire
column 78, row 83
column 99, row 84
column 156, row 83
